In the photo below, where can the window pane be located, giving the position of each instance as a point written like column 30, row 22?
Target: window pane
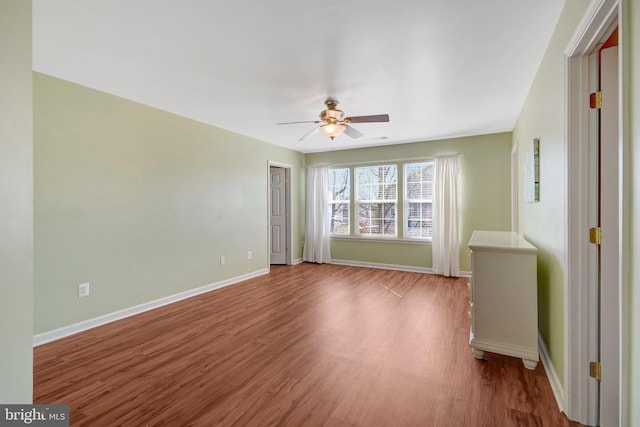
column 339, row 185
column 418, row 179
column 377, row 182
column 339, row 197
column 339, row 217
column 419, row 220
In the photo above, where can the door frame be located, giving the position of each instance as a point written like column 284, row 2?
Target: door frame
column 288, row 220
column 578, row 393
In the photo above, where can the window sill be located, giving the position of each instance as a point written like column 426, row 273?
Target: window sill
column 382, row 240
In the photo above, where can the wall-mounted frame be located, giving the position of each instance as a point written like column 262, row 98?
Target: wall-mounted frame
column 532, row 172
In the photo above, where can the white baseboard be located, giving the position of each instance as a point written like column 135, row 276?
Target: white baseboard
column 410, row 268
column 383, row 266
column 556, row 384
column 65, row 331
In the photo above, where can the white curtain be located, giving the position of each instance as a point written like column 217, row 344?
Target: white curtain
column 317, row 231
column 446, row 239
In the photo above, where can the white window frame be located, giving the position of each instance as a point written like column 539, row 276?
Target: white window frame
column 400, row 208
column 333, row 202
column 393, row 202
column 407, row 201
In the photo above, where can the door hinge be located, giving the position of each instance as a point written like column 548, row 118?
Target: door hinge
column 595, row 100
column 595, row 235
column 595, row 370
column 286, row 249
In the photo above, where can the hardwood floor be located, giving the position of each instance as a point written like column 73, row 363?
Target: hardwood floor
column 306, row 345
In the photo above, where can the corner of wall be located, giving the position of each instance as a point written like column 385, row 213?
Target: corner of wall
column 16, row 203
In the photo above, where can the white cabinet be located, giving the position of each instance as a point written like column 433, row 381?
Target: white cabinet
column 504, row 298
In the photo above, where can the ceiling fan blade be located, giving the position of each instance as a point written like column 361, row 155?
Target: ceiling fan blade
column 353, row 133
column 368, row 119
column 293, row 123
column 309, row 134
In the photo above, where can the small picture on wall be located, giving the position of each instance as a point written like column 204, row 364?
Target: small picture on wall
column 532, row 172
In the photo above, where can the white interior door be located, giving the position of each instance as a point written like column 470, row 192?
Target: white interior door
column 586, row 318
column 278, row 216
column 610, row 248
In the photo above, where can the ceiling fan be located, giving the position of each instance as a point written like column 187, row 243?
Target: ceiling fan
column 333, row 124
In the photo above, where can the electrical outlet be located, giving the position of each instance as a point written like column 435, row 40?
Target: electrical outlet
column 222, row 260
column 83, row 290
column 249, row 255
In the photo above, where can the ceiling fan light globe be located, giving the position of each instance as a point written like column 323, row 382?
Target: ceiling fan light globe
column 333, row 129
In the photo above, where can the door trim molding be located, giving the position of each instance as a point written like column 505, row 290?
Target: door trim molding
column 288, row 205
column 597, row 20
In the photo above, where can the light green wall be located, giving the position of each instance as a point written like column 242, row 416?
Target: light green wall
column 141, row 203
column 485, row 181
column 16, row 203
column 543, row 223
column 631, row 24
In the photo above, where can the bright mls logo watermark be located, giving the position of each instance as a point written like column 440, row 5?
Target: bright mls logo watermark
column 34, row 415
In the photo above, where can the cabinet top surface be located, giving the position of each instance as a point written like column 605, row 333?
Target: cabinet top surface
column 505, row 240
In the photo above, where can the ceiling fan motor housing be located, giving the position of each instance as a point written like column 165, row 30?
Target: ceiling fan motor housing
column 331, row 103
column 331, row 115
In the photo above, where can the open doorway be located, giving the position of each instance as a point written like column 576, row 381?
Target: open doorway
column 279, row 217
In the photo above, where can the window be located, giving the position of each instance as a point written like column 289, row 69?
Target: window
column 418, row 200
column 376, row 199
column 339, row 200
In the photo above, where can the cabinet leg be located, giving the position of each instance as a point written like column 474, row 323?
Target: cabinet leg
column 478, row 354
column 530, row 364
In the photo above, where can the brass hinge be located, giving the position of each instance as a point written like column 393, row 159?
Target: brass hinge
column 286, row 215
column 286, row 249
column 595, row 370
column 595, row 235
column 595, row 100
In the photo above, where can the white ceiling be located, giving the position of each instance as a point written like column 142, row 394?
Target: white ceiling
column 439, row 68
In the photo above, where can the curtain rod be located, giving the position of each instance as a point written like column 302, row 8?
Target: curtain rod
column 380, row 162
column 450, row 155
